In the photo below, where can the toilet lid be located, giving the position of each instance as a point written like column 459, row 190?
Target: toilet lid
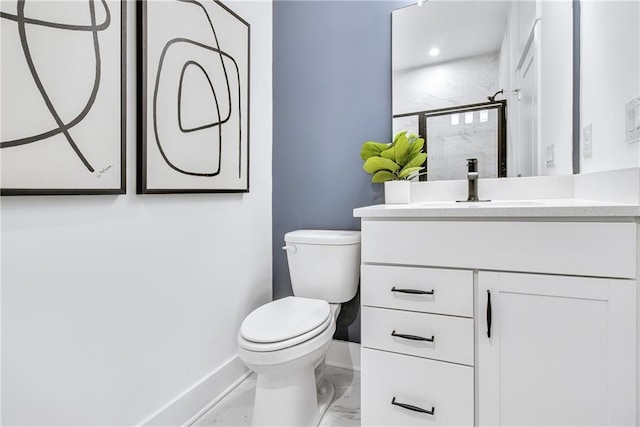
column 284, row 319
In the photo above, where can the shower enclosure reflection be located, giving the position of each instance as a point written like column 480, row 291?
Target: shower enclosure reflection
column 458, row 133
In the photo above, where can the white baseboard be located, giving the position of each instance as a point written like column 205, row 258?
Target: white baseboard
column 344, row 354
column 198, row 399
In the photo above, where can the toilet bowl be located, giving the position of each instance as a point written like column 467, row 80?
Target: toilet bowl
column 285, row 341
column 289, row 388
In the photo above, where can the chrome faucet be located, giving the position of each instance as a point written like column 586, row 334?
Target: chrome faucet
column 472, row 176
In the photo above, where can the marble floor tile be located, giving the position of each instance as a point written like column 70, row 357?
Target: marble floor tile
column 345, row 407
column 234, row 410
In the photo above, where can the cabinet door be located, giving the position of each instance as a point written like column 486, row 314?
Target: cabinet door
column 561, row 350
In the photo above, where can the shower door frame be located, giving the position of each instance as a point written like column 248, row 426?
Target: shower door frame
column 500, row 105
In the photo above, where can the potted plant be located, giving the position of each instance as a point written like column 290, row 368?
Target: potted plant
column 395, row 164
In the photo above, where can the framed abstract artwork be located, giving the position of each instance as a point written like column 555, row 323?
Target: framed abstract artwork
column 193, row 97
column 63, row 84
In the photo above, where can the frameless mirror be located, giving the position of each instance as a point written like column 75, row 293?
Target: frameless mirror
column 492, row 80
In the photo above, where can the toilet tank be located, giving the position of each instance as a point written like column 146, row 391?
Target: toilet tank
column 324, row 264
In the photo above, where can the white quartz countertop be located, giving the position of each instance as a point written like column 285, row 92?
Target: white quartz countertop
column 543, row 208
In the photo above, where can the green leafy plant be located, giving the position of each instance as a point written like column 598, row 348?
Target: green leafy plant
column 400, row 160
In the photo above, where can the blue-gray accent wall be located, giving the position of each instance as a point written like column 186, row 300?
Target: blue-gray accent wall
column 331, row 92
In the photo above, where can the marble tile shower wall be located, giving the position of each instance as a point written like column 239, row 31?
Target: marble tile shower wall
column 450, row 145
column 446, row 84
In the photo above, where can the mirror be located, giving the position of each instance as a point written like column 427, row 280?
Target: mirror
column 492, row 80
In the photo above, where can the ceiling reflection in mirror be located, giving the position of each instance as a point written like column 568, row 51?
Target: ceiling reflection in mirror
column 491, row 80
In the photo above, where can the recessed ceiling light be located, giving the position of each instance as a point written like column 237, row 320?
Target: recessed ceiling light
column 434, row 51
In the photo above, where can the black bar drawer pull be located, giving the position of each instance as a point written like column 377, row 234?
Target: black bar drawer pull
column 413, row 337
column 413, row 408
column 488, row 314
column 412, row 291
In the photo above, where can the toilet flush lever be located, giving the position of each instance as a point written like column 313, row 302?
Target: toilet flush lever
column 291, row 249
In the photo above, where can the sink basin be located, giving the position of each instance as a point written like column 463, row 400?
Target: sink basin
column 491, row 204
column 502, row 203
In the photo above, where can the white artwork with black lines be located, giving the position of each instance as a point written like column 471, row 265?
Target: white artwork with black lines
column 195, row 100
column 63, row 98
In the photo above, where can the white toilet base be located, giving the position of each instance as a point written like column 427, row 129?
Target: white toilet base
column 325, row 396
column 291, row 399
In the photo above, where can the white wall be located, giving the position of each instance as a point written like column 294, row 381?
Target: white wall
column 114, row 305
column 610, row 76
column 556, row 80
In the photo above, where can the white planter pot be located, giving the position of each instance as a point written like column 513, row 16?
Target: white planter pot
column 396, row 192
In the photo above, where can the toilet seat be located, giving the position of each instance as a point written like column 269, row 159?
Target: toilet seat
column 284, row 323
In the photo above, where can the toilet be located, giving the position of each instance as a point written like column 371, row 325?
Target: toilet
column 285, row 341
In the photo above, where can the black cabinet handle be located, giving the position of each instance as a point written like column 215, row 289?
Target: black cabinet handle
column 413, row 408
column 488, row 313
column 412, row 291
column 412, row 337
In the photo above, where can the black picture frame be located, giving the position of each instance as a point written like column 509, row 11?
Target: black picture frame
column 206, row 148
column 82, row 153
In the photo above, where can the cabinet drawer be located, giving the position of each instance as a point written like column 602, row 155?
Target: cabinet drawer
column 599, row 249
column 452, row 289
column 452, row 337
column 445, row 387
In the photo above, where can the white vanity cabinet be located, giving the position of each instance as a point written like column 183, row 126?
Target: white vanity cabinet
column 562, row 348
